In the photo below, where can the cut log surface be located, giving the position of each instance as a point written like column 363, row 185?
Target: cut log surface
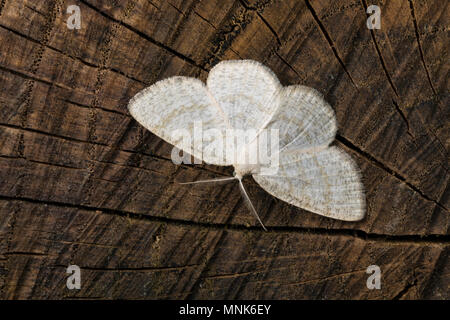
column 82, row 183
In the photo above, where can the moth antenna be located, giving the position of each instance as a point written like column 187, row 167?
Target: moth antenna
column 250, row 204
column 209, row 181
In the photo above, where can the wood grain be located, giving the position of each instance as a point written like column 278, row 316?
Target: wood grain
column 83, row 183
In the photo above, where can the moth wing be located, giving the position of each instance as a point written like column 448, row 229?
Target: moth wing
column 246, row 91
column 171, row 108
column 326, row 182
column 305, row 121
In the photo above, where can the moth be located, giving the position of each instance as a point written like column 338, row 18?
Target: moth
column 246, row 96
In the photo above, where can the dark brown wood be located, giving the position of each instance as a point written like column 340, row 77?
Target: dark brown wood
column 82, row 183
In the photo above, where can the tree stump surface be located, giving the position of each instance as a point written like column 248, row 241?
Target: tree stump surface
column 82, row 183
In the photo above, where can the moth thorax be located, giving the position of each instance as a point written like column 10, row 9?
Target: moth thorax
column 241, row 170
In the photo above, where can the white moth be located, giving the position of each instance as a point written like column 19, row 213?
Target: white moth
column 246, row 95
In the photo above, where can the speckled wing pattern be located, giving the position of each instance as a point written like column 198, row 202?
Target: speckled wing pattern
column 244, row 94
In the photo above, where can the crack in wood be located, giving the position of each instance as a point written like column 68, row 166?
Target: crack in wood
column 34, row 9
column 97, row 107
column 402, row 114
column 145, row 36
column 405, row 290
column 31, row 77
column 204, row 19
column 289, row 66
column 416, row 29
column 154, row 5
column 318, row 280
column 135, row 269
column 330, row 41
column 195, row 12
column 389, row 170
column 272, row 30
column 25, row 253
column 244, row 274
column 267, row 24
column 417, row 239
column 380, row 56
column 178, row 10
